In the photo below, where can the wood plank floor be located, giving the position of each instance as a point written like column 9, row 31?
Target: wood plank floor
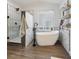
column 17, row 52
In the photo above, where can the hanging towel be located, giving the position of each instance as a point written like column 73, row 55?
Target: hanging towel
column 23, row 24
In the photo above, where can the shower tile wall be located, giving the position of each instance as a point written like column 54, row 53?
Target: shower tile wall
column 13, row 29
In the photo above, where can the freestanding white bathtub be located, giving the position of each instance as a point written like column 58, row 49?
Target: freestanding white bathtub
column 47, row 38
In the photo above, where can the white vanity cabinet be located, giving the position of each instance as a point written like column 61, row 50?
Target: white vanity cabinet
column 65, row 39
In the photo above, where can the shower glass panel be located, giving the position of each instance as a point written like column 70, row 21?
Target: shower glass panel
column 13, row 23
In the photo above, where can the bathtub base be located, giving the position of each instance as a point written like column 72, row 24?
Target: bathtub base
column 47, row 39
column 48, row 43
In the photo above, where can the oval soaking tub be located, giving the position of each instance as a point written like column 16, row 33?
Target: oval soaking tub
column 47, row 38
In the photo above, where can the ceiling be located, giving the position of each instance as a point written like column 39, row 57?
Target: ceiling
column 25, row 3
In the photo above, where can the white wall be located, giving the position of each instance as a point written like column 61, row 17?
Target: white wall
column 35, row 6
column 34, row 10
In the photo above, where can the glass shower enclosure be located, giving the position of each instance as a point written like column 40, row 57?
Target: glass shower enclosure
column 13, row 24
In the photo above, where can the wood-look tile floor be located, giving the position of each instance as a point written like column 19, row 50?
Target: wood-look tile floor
column 38, row 52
